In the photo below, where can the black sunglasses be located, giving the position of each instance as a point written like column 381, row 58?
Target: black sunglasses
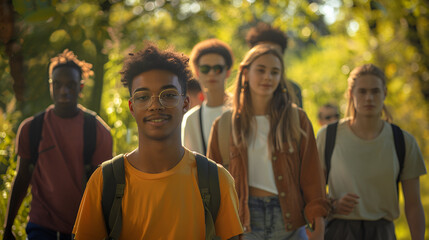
column 205, row 69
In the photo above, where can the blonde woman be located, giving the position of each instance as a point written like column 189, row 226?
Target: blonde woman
column 272, row 154
column 365, row 165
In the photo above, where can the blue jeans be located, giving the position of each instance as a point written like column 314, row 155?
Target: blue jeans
column 37, row 232
column 266, row 221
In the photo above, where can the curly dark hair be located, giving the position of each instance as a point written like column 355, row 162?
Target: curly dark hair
column 212, row 45
column 152, row 58
column 264, row 32
column 68, row 59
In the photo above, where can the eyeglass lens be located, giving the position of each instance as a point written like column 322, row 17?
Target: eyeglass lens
column 168, row 98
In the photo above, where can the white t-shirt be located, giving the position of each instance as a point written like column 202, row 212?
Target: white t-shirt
column 261, row 173
column 369, row 168
column 191, row 131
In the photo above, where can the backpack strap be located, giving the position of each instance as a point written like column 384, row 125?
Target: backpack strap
column 113, row 175
column 89, row 143
column 203, row 141
column 224, row 131
column 398, row 138
column 35, row 135
column 331, row 135
column 208, row 183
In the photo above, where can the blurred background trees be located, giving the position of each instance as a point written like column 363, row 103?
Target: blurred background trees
column 328, row 38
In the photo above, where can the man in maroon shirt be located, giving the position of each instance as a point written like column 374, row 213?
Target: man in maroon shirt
column 57, row 178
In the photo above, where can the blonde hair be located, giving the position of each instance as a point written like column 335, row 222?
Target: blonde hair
column 367, row 69
column 283, row 116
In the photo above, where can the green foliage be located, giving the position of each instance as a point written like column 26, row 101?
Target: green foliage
column 7, row 170
column 321, row 54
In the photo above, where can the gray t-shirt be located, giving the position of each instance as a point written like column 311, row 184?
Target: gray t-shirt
column 369, row 168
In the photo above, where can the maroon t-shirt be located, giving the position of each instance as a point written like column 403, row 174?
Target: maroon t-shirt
column 57, row 181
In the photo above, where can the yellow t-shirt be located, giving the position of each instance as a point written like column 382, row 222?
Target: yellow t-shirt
column 165, row 205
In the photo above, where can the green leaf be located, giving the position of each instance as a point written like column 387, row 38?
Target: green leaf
column 41, row 15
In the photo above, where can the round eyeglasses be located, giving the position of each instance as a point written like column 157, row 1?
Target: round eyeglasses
column 169, row 98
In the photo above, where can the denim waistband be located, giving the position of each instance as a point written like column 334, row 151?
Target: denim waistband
column 266, row 201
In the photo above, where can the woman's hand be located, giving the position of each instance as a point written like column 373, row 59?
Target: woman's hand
column 319, row 229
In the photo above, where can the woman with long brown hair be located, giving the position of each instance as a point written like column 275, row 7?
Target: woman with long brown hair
column 272, row 153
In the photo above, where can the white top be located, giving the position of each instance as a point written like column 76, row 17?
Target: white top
column 369, row 168
column 261, row 173
column 191, row 131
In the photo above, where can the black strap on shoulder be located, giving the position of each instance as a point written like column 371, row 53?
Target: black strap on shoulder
column 331, row 135
column 200, row 117
column 89, row 140
column 113, row 175
column 208, row 183
column 398, row 138
column 35, row 135
column 89, row 143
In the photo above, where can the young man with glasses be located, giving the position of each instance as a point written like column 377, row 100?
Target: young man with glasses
column 211, row 61
column 161, row 198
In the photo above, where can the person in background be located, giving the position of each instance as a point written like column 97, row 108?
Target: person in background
column 365, row 166
column 56, row 173
column 195, row 93
column 211, row 61
column 272, row 153
column 328, row 113
column 161, row 198
column 264, row 33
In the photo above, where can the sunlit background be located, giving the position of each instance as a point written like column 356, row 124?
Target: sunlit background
column 327, row 39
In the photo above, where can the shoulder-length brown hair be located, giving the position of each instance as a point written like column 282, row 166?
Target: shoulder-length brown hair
column 367, row 69
column 283, row 115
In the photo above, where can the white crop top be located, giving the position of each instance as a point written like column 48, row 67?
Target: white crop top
column 261, row 173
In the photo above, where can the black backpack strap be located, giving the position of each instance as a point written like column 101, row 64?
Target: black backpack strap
column 398, row 138
column 35, row 135
column 200, row 117
column 208, row 183
column 331, row 135
column 113, row 175
column 89, row 143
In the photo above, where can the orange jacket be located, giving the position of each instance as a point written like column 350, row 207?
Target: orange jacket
column 299, row 178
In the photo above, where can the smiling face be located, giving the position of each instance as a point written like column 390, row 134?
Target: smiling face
column 214, row 79
column 155, row 121
column 368, row 96
column 65, row 86
column 264, row 75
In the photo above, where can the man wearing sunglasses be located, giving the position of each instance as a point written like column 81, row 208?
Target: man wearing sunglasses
column 161, row 197
column 211, row 61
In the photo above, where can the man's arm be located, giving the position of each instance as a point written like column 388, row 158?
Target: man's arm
column 19, row 191
column 413, row 208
